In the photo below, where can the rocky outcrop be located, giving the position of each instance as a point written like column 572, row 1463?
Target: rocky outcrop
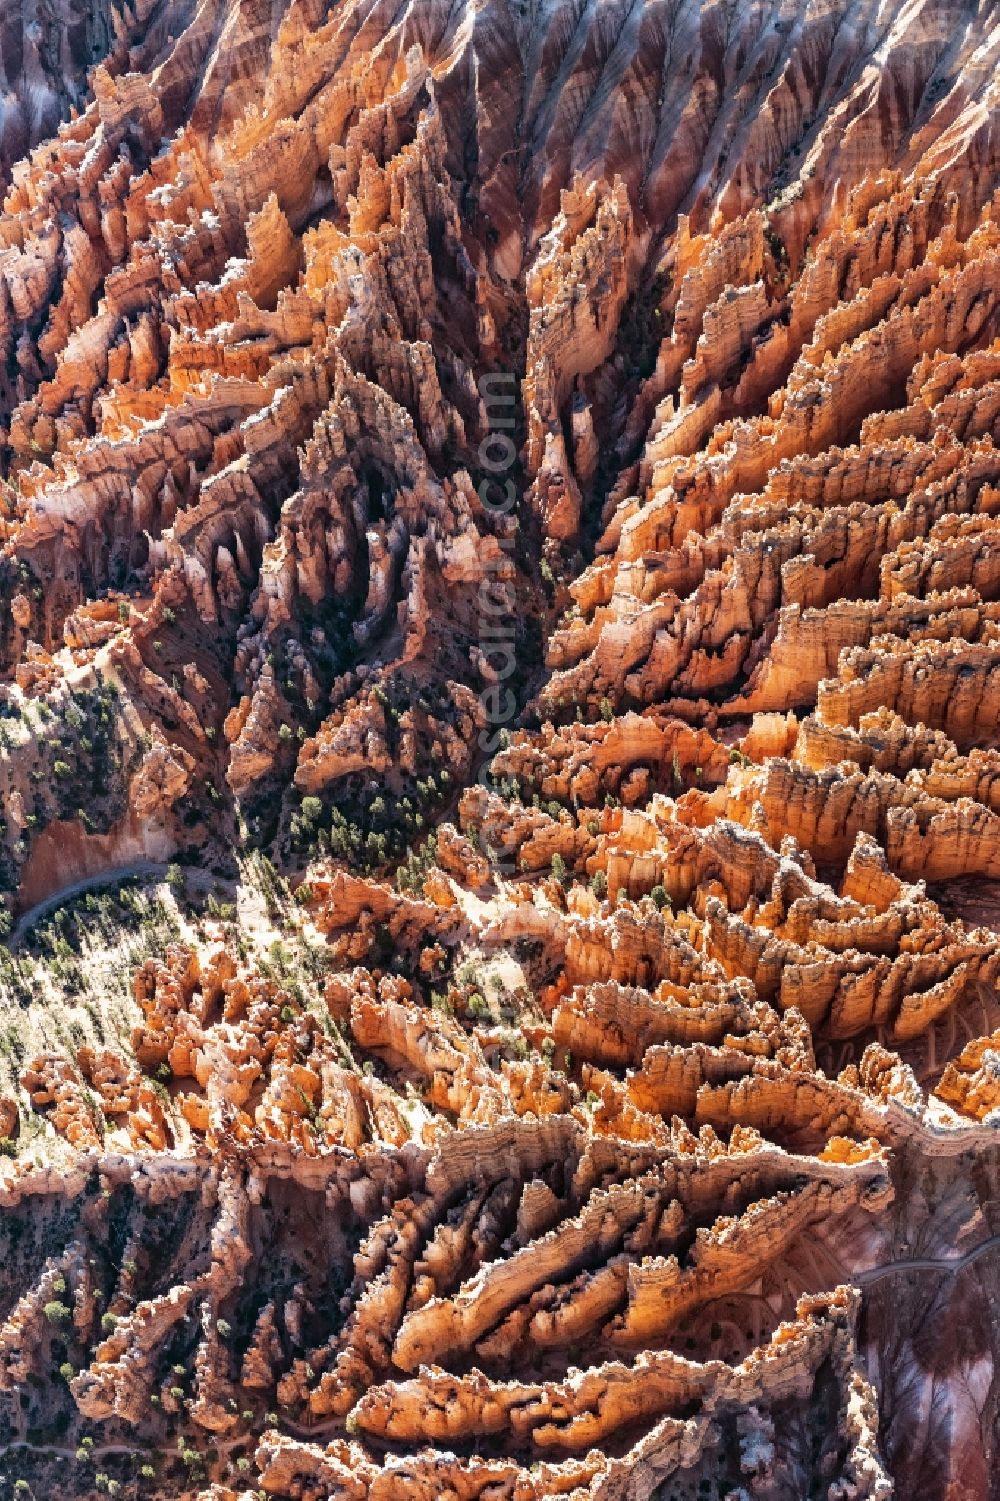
column 264, row 294
column 578, row 423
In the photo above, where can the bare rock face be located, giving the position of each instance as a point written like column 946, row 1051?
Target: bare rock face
column 534, row 472
column 48, row 52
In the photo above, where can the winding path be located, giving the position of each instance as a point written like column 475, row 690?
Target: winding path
column 926, row 1264
column 134, row 1451
column 143, row 868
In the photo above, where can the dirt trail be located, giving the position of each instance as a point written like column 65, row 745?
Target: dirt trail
column 143, row 868
column 926, row 1264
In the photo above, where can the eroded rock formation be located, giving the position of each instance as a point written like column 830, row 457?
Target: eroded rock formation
column 534, row 470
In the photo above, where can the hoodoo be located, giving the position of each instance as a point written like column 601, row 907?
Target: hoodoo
column 499, row 753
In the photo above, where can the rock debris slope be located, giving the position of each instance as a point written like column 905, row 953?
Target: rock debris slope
column 530, row 473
